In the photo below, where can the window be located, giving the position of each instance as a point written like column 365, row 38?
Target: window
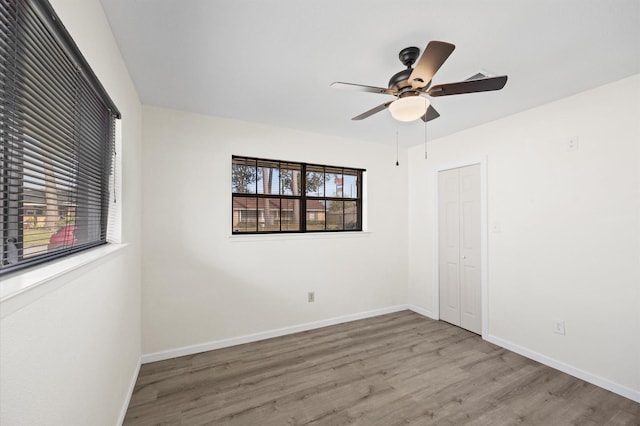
column 57, row 130
column 270, row 196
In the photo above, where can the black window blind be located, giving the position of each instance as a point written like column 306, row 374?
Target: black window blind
column 57, row 133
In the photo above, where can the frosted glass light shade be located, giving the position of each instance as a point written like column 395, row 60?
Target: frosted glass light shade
column 409, row 108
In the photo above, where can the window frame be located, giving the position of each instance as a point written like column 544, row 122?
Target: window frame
column 31, row 22
column 302, row 198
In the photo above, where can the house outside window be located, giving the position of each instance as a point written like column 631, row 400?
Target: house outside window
column 272, row 196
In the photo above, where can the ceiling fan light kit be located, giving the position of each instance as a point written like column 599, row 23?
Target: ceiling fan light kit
column 410, row 86
column 409, row 108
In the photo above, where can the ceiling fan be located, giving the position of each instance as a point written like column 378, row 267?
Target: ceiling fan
column 410, row 85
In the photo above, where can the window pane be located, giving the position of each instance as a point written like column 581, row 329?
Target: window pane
column 56, row 152
column 315, row 215
column 268, row 177
column 290, row 179
column 333, row 184
column 243, row 176
column 327, row 196
column 350, row 215
column 315, row 181
column 335, row 212
column 268, row 214
column 244, row 214
column 290, row 215
column 350, row 182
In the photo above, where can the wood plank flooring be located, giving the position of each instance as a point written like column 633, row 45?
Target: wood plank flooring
column 396, row 369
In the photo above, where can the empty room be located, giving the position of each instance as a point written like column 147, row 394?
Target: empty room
column 319, row 213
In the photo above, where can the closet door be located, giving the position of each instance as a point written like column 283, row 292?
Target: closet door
column 459, row 247
column 449, row 244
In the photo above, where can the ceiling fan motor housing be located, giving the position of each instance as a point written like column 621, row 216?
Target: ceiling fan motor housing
column 400, row 80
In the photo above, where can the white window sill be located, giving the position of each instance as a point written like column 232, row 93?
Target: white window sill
column 23, row 287
column 300, row 236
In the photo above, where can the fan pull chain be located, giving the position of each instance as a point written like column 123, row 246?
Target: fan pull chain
column 425, row 131
column 426, row 156
column 397, row 145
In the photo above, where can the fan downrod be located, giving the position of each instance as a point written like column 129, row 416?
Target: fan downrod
column 408, row 56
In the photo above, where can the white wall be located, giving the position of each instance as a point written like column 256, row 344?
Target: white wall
column 201, row 286
column 68, row 357
column 569, row 245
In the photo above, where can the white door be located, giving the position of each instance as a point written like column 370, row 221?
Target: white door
column 449, row 244
column 459, row 247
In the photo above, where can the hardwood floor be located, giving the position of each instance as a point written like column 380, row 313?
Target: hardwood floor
column 396, row 369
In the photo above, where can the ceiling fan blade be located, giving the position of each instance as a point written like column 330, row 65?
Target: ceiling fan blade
column 373, row 111
column 469, row 86
column 363, row 88
column 430, row 62
column 431, row 114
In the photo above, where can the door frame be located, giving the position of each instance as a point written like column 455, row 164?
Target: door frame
column 484, row 292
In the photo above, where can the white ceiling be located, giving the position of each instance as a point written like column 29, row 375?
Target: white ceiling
column 273, row 61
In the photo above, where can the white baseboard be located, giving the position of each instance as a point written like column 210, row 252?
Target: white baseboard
column 224, row 343
column 421, row 311
column 132, row 385
column 627, row 392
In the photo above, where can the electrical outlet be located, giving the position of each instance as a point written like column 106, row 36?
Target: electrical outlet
column 558, row 327
column 572, row 144
column 311, row 297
